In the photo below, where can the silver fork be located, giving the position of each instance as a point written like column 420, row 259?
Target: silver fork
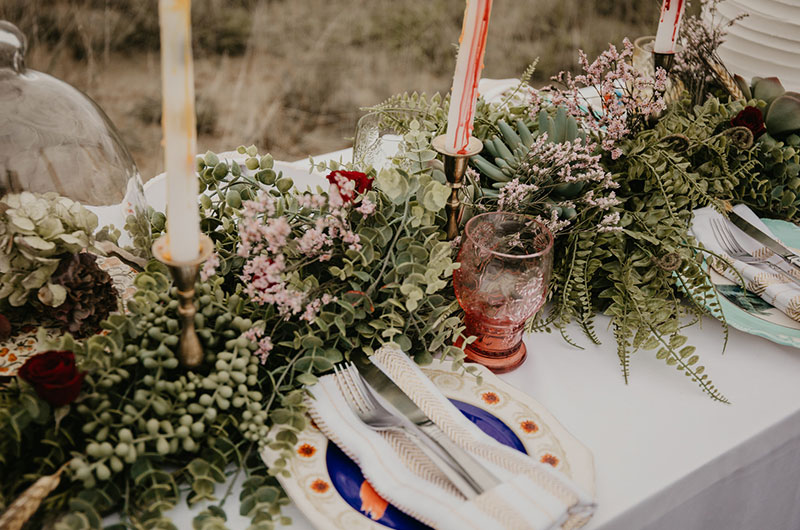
column 362, row 400
column 728, row 242
column 726, row 239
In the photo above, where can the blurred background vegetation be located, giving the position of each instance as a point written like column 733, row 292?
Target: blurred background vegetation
column 291, row 75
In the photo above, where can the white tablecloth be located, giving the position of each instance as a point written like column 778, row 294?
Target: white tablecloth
column 666, row 456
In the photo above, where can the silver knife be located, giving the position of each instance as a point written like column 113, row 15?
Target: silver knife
column 480, row 478
column 765, row 239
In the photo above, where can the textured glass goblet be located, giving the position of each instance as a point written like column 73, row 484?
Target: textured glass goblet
column 377, row 139
column 506, row 260
column 643, row 54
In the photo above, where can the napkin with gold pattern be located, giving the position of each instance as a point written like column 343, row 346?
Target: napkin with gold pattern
column 763, row 272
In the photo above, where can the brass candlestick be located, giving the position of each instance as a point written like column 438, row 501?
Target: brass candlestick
column 455, row 164
column 664, row 60
column 190, row 351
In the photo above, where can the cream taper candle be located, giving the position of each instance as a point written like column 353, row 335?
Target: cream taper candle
column 468, row 72
column 668, row 26
column 180, row 136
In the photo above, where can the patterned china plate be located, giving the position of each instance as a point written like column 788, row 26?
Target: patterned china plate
column 330, row 490
column 748, row 312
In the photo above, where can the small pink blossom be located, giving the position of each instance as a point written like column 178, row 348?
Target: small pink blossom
column 275, row 234
column 334, row 197
column 610, row 223
column 552, row 168
column 312, row 309
column 366, row 208
column 273, row 245
column 514, row 193
column 264, row 343
column 535, row 104
column 252, row 228
column 603, row 203
column 553, row 222
column 312, row 201
column 313, row 241
column 627, row 96
column 209, row 267
column 261, row 276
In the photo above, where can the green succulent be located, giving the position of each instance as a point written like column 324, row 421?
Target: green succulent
column 779, row 147
column 36, row 232
column 511, row 149
column 782, row 113
column 780, row 172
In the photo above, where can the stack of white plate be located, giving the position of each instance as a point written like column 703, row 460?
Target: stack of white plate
column 766, row 43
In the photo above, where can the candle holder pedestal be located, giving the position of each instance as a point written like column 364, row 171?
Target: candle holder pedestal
column 184, row 273
column 664, row 60
column 455, row 164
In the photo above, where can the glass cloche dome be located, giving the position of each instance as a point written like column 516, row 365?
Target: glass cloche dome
column 54, row 138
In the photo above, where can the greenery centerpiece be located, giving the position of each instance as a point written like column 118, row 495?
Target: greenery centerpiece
column 303, row 280
column 617, row 190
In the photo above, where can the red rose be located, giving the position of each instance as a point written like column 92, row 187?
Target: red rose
column 5, row 327
column 753, row 119
column 363, row 183
column 54, row 376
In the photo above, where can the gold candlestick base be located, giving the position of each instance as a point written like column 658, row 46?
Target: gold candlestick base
column 664, row 60
column 455, row 164
column 190, row 351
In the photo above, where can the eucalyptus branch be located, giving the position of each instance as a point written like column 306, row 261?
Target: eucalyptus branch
column 389, row 253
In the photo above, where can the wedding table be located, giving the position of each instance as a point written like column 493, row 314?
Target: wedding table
column 666, row 456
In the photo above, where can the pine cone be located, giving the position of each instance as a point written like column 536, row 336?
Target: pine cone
column 91, row 295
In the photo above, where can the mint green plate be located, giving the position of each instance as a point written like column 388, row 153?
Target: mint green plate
column 748, row 312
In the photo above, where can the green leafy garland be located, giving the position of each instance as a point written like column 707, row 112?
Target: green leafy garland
column 691, row 158
column 139, row 413
column 687, row 161
column 144, row 430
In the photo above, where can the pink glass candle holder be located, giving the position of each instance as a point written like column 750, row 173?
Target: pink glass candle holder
column 506, row 260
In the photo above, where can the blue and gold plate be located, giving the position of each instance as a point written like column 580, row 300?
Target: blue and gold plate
column 329, row 488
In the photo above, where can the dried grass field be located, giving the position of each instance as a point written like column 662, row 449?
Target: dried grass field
column 291, row 75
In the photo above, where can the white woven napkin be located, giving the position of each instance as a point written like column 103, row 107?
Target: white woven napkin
column 532, row 495
column 774, row 287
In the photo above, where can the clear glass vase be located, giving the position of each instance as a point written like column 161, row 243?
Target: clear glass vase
column 54, row 138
